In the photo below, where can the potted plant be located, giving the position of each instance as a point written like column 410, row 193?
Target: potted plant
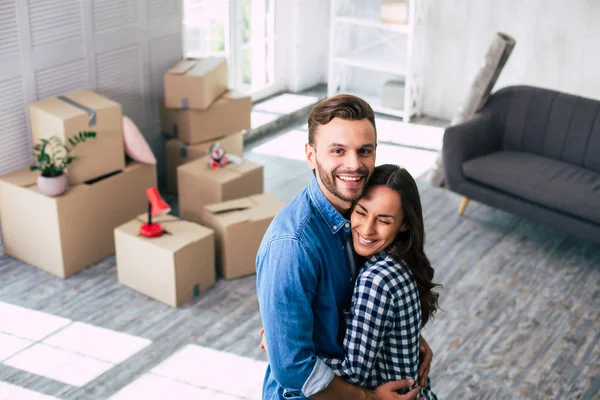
column 51, row 158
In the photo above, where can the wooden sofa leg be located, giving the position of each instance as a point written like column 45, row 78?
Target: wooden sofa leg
column 463, row 205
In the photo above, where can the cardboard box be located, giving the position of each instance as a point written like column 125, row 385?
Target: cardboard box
column 195, row 82
column 65, row 234
column 83, row 110
column 179, row 153
column 172, row 268
column 199, row 184
column 394, row 12
column 240, row 226
column 229, row 114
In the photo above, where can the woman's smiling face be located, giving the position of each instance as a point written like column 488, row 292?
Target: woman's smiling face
column 376, row 219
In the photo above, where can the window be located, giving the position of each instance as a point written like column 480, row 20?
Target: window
column 241, row 30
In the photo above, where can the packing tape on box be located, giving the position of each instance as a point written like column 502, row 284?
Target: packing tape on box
column 183, row 150
column 175, row 131
column 91, row 113
column 185, row 103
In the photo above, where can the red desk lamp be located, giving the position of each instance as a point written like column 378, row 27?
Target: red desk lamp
column 156, row 206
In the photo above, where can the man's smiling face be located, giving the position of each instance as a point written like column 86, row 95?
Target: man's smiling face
column 343, row 157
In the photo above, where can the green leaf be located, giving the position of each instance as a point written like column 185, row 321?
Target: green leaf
column 52, row 156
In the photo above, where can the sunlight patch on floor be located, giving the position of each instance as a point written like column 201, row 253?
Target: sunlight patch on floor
column 417, row 162
column 197, row 372
column 288, row 145
column 60, row 349
column 286, row 103
column 407, row 134
column 260, row 118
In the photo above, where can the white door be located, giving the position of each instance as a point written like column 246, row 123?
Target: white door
column 241, row 30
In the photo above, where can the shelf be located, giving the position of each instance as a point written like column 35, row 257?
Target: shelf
column 391, row 61
column 375, row 103
column 366, row 52
column 372, row 23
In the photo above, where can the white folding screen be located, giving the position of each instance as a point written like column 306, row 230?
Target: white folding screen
column 119, row 48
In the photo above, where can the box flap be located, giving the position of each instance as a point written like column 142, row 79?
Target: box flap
column 233, row 95
column 196, row 66
column 232, row 205
column 231, row 212
column 92, row 99
column 205, row 65
column 229, row 172
column 251, row 208
column 244, row 167
column 74, row 104
column 22, row 177
column 182, row 67
column 266, row 206
column 178, row 232
column 57, row 108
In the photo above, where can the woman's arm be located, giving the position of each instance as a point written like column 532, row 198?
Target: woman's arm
column 366, row 331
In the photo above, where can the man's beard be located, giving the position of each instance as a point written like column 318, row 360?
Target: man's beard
column 330, row 182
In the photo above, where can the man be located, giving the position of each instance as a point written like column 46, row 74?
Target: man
column 305, row 267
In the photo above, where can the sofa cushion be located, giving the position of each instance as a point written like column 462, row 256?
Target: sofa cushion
column 550, row 124
column 548, row 182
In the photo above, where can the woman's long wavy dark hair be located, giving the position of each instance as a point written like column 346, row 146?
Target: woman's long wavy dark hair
column 409, row 244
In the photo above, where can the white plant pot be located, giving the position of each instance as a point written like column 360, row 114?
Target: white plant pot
column 52, row 186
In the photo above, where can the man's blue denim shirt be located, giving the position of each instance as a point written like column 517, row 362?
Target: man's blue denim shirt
column 304, row 282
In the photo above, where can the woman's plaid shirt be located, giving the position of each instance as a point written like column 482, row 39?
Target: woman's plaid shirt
column 383, row 326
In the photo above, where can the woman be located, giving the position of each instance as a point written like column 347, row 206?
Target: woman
column 393, row 297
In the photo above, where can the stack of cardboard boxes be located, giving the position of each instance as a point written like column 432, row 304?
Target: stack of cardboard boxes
column 198, row 111
column 65, row 234
column 226, row 210
column 223, row 211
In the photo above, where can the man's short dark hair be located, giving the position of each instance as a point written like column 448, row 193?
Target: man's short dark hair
column 344, row 106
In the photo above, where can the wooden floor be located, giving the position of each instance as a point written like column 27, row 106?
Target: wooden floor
column 520, row 301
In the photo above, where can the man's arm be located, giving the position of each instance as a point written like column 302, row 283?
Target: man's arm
column 338, row 389
column 286, row 285
column 366, row 331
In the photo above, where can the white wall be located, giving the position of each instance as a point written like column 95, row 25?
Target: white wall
column 118, row 48
column 558, row 47
column 308, row 38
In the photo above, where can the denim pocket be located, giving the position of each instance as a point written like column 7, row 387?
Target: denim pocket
column 293, row 394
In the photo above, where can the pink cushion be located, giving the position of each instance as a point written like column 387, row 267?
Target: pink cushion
column 136, row 145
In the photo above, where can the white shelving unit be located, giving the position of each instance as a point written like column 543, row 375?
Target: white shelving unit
column 365, row 52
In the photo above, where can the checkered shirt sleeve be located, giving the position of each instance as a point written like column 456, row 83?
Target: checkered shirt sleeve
column 381, row 342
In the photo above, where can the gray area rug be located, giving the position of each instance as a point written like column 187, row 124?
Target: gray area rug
column 520, row 303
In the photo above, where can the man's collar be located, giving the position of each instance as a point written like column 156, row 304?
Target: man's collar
column 332, row 217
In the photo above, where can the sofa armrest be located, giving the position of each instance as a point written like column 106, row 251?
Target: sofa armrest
column 471, row 139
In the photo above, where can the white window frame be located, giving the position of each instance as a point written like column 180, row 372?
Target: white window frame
column 234, row 48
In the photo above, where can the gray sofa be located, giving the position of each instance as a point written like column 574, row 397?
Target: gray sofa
column 532, row 152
